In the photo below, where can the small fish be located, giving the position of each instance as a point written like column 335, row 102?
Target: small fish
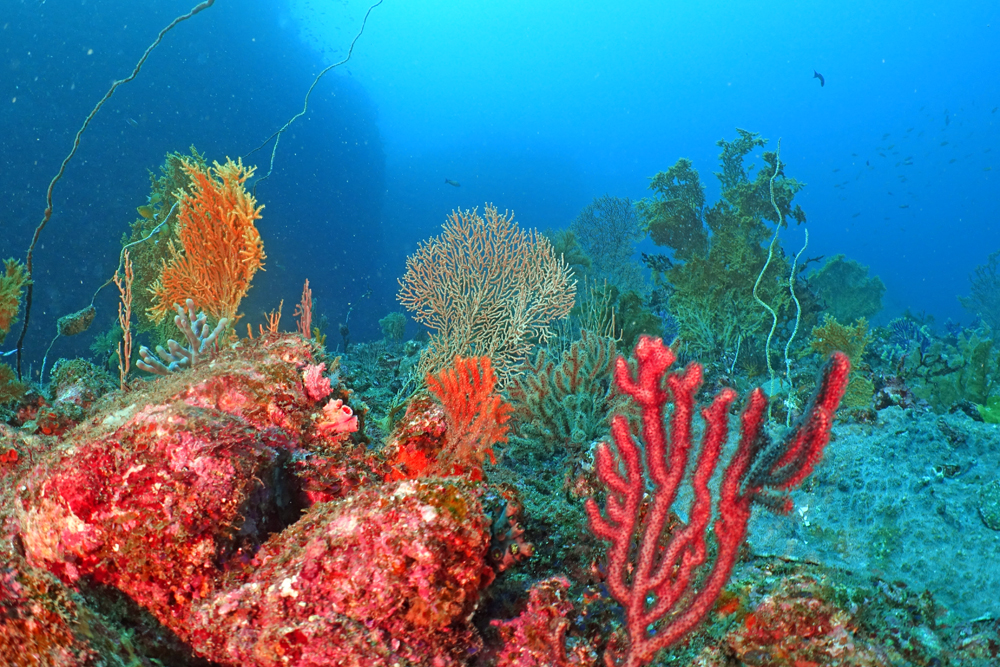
column 890, row 147
column 867, row 163
column 995, row 109
column 882, row 154
column 854, row 155
column 836, row 170
column 132, row 122
column 910, row 129
column 886, row 136
column 146, row 211
column 944, row 143
column 454, row 183
column 856, row 214
column 904, row 206
column 891, row 195
column 987, row 168
column 817, row 75
column 953, row 160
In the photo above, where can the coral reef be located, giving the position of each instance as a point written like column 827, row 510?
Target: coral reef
column 947, row 372
column 190, row 497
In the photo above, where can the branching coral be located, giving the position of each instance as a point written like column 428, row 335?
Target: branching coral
column 487, row 288
column 219, row 248
column 846, row 289
column 476, row 415
column 608, row 229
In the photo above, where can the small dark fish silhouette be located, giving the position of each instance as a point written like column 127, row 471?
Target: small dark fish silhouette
column 817, row 75
column 904, row 206
column 856, row 214
column 451, row 182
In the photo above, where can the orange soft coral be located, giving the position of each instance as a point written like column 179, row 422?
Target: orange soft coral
column 477, row 416
column 220, row 248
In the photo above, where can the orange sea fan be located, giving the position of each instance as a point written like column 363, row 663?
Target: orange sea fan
column 218, row 248
column 476, row 414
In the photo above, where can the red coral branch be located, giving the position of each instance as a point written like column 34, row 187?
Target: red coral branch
column 476, row 414
column 660, row 583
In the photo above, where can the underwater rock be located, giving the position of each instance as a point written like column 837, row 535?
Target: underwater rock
column 989, row 505
column 160, row 502
column 155, row 510
column 389, row 576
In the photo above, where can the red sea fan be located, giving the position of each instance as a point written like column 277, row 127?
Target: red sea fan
column 476, row 415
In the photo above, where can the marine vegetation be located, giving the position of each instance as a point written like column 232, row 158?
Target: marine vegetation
column 719, row 251
column 561, row 404
column 845, row 290
column 985, row 287
column 832, row 337
column 13, row 280
column 150, row 232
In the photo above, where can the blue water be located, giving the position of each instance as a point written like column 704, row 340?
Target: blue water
column 536, row 107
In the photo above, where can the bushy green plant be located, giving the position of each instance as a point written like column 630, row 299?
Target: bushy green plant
column 157, row 214
column 10, row 388
column 720, row 250
column 846, row 290
column 13, row 280
column 562, row 404
column 393, row 327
